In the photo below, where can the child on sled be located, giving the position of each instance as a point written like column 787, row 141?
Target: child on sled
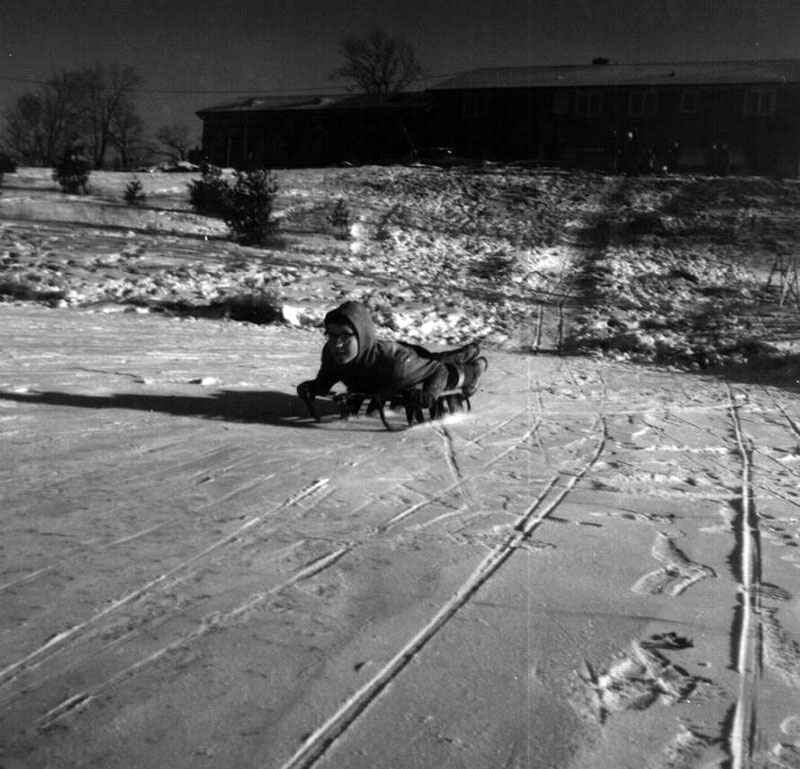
column 365, row 364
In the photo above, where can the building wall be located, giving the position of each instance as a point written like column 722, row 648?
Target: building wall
column 296, row 138
column 584, row 127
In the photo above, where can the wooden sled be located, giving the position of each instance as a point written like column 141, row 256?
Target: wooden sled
column 350, row 404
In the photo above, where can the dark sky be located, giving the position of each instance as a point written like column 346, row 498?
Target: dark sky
column 194, row 54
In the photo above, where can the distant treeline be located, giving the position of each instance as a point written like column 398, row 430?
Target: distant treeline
column 91, row 109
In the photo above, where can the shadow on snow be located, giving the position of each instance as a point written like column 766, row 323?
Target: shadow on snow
column 256, row 407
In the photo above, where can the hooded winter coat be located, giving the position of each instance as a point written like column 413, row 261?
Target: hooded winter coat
column 381, row 367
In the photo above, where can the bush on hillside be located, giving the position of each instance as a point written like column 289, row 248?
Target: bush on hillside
column 340, row 219
column 248, row 209
column 134, row 193
column 72, row 173
column 246, row 206
column 209, row 194
column 7, row 164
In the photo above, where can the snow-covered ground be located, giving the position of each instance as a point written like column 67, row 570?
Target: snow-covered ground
column 594, row 568
column 693, row 270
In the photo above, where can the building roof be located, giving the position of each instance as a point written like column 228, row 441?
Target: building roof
column 318, row 103
column 778, row 72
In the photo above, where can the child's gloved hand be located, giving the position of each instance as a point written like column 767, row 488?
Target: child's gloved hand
column 306, row 390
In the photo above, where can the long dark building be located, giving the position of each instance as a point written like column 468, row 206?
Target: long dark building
column 689, row 116
column 309, row 131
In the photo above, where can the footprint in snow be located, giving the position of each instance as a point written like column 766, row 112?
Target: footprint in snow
column 676, row 575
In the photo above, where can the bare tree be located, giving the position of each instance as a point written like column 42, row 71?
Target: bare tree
column 378, row 63
column 108, row 96
column 39, row 126
column 176, row 138
column 128, row 137
column 73, row 107
column 24, row 131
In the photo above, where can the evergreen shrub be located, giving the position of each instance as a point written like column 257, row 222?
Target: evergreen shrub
column 134, row 193
column 248, row 210
column 72, row 173
column 340, row 219
column 208, row 195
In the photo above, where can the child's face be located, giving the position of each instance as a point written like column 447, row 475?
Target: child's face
column 342, row 342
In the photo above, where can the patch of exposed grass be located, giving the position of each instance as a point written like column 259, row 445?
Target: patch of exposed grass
column 28, row 289
column 261, row 307
column 257, row 306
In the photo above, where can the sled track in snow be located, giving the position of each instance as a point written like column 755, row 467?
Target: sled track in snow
column 587, row 241
column 59, row 640
column 83, row 548
column 67, row 641
column 325, row 736
column 83, row 698
column 747, row 632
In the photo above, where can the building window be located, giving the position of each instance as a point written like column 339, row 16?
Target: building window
column 588, row 103
column 476, row 106
column 690, row 100
column 561, row 103
column 760, row 102
column 642, row 104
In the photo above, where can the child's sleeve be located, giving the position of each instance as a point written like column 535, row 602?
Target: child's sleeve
column 327, row 376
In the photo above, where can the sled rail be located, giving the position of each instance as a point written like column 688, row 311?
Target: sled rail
column 351, row 402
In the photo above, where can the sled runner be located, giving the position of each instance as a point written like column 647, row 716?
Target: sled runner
column 350, row 404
